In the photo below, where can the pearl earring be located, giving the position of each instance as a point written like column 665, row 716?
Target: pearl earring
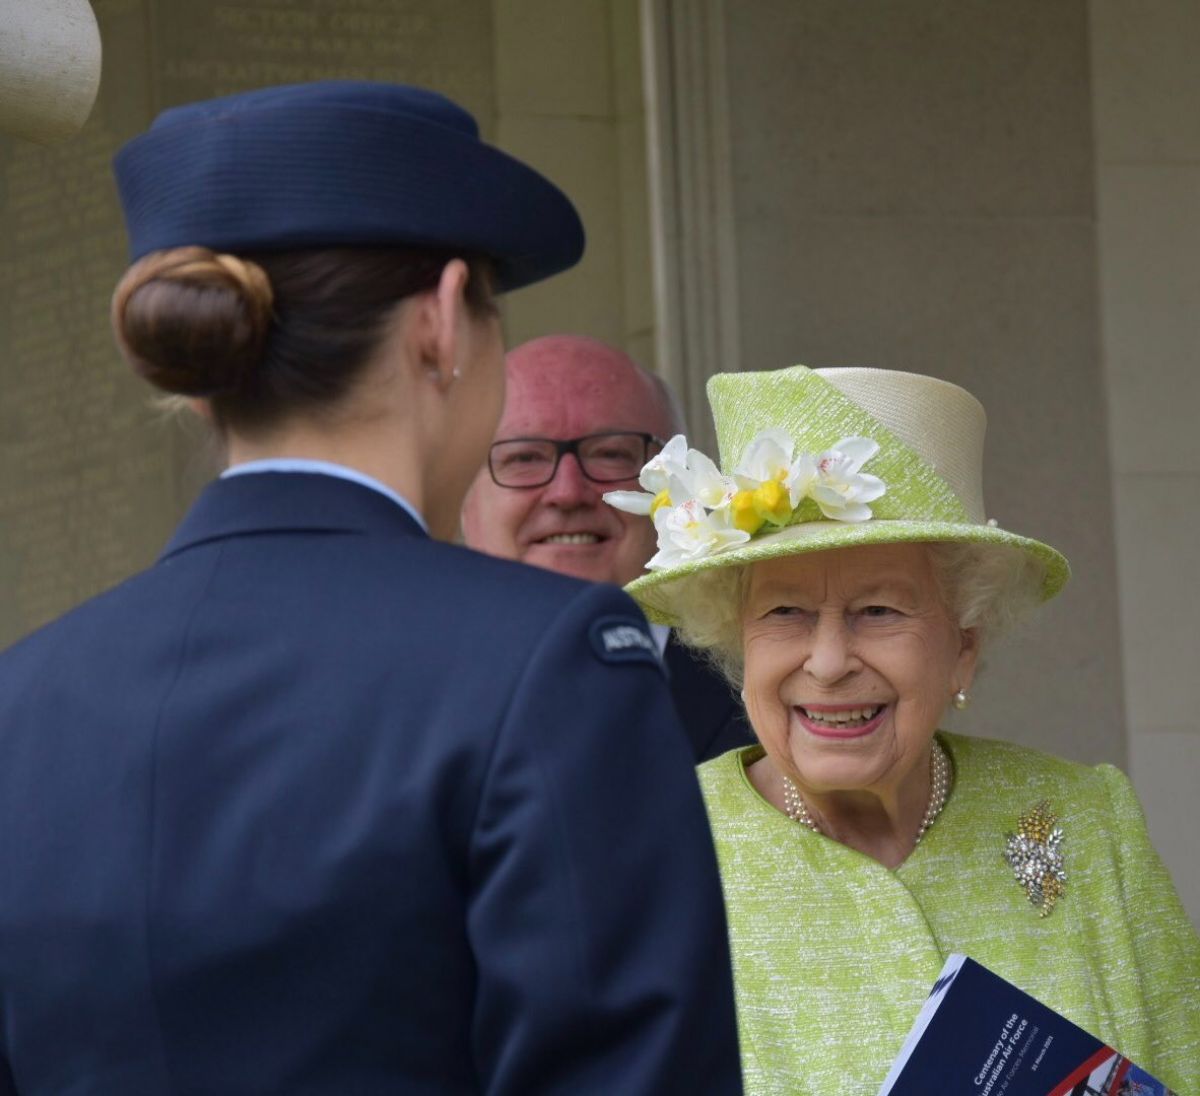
column 960, row 700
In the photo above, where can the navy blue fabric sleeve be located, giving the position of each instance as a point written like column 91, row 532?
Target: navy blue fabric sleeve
column 711, row 713
column 595, row 909
column 733, row 734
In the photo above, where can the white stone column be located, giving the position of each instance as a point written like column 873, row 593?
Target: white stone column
column 1146, row 98
column 691, row 205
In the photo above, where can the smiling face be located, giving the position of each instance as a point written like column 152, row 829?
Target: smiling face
column 850, row 661
column 564, row 387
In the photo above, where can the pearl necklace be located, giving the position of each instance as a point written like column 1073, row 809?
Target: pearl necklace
column 939, row 791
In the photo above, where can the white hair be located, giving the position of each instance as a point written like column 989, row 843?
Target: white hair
column 988, row 588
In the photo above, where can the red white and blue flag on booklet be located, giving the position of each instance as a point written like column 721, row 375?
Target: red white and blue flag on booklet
column 978, row 1035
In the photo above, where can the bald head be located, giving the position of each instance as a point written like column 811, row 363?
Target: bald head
column 563, row 387
column 575, row 365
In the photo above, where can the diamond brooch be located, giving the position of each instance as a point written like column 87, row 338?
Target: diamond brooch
column 1035, row 855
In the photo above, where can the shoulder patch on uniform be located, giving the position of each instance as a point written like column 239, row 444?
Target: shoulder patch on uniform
column 623, row 639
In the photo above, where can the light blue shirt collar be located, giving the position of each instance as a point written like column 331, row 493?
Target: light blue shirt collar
column 324, row 468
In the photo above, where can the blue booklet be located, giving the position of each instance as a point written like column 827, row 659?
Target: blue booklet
column 980, row 1035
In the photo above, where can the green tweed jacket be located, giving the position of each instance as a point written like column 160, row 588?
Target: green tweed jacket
column 833, row 953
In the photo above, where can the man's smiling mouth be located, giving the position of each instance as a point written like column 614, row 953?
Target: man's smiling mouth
column 572, row 538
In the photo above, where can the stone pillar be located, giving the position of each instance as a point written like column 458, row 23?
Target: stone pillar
column 569, row 101
column 1146, row 91
column 693, row 232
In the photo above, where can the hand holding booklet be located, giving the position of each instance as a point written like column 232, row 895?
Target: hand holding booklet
column 978, row 1035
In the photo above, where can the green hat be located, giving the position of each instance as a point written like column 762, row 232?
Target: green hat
column 814, row 459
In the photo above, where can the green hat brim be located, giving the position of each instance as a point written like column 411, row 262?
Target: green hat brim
column 659, row 592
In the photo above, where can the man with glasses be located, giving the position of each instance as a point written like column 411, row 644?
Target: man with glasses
column 581, row 418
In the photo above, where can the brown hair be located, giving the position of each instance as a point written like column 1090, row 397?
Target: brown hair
column 262, row 335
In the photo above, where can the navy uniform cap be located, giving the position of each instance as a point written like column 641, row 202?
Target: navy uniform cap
column 341, row 163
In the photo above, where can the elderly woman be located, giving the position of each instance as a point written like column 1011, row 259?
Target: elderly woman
column 843, row 573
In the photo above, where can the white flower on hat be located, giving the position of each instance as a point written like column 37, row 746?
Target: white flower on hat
column 671, row 478
column 670, row 463
column 837, row 485
column 768, row 459
column 691, row 531
column 767, row 456
column 699, row 512
column 703, row 482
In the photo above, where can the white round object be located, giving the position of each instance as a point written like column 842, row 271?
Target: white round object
column 49, row 67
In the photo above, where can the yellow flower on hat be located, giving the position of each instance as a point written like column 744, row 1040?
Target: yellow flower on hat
column 744, row 513
column 772, row 502
column 768, row 459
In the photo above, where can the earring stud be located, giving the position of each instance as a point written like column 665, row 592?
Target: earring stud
column 960, row 699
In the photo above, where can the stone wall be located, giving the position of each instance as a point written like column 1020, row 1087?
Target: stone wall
column 913, row 189
column 92, row 475
column 86, row 467
column 1146, row 91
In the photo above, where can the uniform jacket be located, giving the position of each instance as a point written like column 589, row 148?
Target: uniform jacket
column 711, row 714
column 317, row 805
column 826, row 997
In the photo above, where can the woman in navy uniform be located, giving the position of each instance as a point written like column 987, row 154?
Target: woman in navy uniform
column 321, row 803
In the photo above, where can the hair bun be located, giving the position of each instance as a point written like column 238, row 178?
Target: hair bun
column 192, row 321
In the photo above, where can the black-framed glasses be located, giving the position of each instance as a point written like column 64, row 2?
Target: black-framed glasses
column 603, row 458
